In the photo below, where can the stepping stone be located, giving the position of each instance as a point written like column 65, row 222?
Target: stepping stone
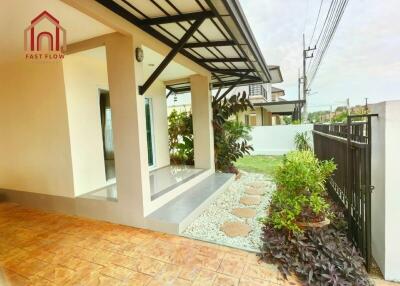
column 257, row 184
column 233, row 229
column 244, row 212
column 254, row 191
column 250, row 200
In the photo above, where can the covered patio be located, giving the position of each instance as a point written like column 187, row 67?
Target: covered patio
column 88, row 133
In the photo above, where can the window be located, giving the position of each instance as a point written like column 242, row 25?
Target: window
column 149, row 131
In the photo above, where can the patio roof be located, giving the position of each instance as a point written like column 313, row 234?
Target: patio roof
column 214, row 34
column 281, row 107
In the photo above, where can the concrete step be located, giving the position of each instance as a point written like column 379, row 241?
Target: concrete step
column 176, row 215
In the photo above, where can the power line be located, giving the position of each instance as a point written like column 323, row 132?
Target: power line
column 331, row 23
column 325, row 28
column 328, row 38
column 316, row 22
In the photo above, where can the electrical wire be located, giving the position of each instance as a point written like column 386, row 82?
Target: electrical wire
column 332, row 20
column 316, row 22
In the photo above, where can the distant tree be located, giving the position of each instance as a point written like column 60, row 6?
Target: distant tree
column 287, row 119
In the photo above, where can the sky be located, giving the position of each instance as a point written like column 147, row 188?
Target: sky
column 363, row 60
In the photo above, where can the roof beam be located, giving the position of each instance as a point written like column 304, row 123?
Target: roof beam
column 218, row 99
column 222, row 60
column 210, row 44
column 169, row 93
column 122, row 12
column 177, row 81
column 170, row 56
column 178, row 18
column 233, row 73
column 231, row 70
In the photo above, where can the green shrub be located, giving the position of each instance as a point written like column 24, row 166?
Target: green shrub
column 180, row 132
column 300, row 181
column 302, row 141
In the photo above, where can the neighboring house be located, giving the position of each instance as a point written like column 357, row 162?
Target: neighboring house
column 88, row 135
column 179, row 108
column 269, row 106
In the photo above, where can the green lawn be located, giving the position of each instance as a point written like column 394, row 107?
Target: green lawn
column 259, row 164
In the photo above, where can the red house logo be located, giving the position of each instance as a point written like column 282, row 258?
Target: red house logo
column 45, row 38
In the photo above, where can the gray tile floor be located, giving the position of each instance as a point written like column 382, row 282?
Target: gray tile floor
column 162, row 180
column 179, row 208
column 167, row 178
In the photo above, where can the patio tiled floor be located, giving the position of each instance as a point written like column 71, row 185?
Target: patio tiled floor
column 38, row 248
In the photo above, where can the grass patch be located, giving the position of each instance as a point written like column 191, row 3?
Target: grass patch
column 259, row 164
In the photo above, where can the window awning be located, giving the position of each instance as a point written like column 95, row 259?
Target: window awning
column 213, row 33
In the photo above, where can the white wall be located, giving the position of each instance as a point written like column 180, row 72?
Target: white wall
column 386, row 195
column 34, row 146
column 276, row 140
column 84, row 75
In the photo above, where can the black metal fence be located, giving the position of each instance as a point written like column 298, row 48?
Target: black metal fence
column 349, row 144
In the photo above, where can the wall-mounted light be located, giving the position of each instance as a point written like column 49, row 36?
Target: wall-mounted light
column 139, row 54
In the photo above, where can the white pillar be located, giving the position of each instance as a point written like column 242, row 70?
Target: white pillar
column 385, row 199
column 128, row 123
column 202, row 122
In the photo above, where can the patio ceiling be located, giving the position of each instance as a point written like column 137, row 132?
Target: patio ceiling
column 212, row 33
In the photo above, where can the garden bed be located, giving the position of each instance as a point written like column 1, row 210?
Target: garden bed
column 208, row 225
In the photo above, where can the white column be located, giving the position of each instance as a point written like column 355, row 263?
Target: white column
column 385, row 199
column 202, row 122
column 128, row 121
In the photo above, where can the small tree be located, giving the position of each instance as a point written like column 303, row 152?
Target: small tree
column 230, row 138
column 302, row 141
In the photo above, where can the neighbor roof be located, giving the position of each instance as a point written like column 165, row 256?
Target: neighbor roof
column 281, row 107
column 223, row 42
column 277, row 90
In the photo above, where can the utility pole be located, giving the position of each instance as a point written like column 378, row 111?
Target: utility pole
column 348, row 106
column 366, row 105
column 305, row 57
column 299, row 82
column 299, row 105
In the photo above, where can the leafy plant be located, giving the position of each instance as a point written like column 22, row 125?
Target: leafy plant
column 302, row 141
column 232, row 145
column 230, row 137
column 321, row 256
column 300, row 181
column 180, row 132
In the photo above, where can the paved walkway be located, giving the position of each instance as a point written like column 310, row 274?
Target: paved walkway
column 38, row 248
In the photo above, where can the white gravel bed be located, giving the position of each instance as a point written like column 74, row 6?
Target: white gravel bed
column 207, row 225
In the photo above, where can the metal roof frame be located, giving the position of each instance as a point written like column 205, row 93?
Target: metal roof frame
column 241, row 64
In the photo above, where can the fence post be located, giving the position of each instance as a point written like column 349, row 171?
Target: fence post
column 349, row 180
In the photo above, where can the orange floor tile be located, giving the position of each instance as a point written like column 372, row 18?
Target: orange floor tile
column 39, row 248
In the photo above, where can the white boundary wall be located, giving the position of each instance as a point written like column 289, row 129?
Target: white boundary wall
column 277, row 139
column 385, row 160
